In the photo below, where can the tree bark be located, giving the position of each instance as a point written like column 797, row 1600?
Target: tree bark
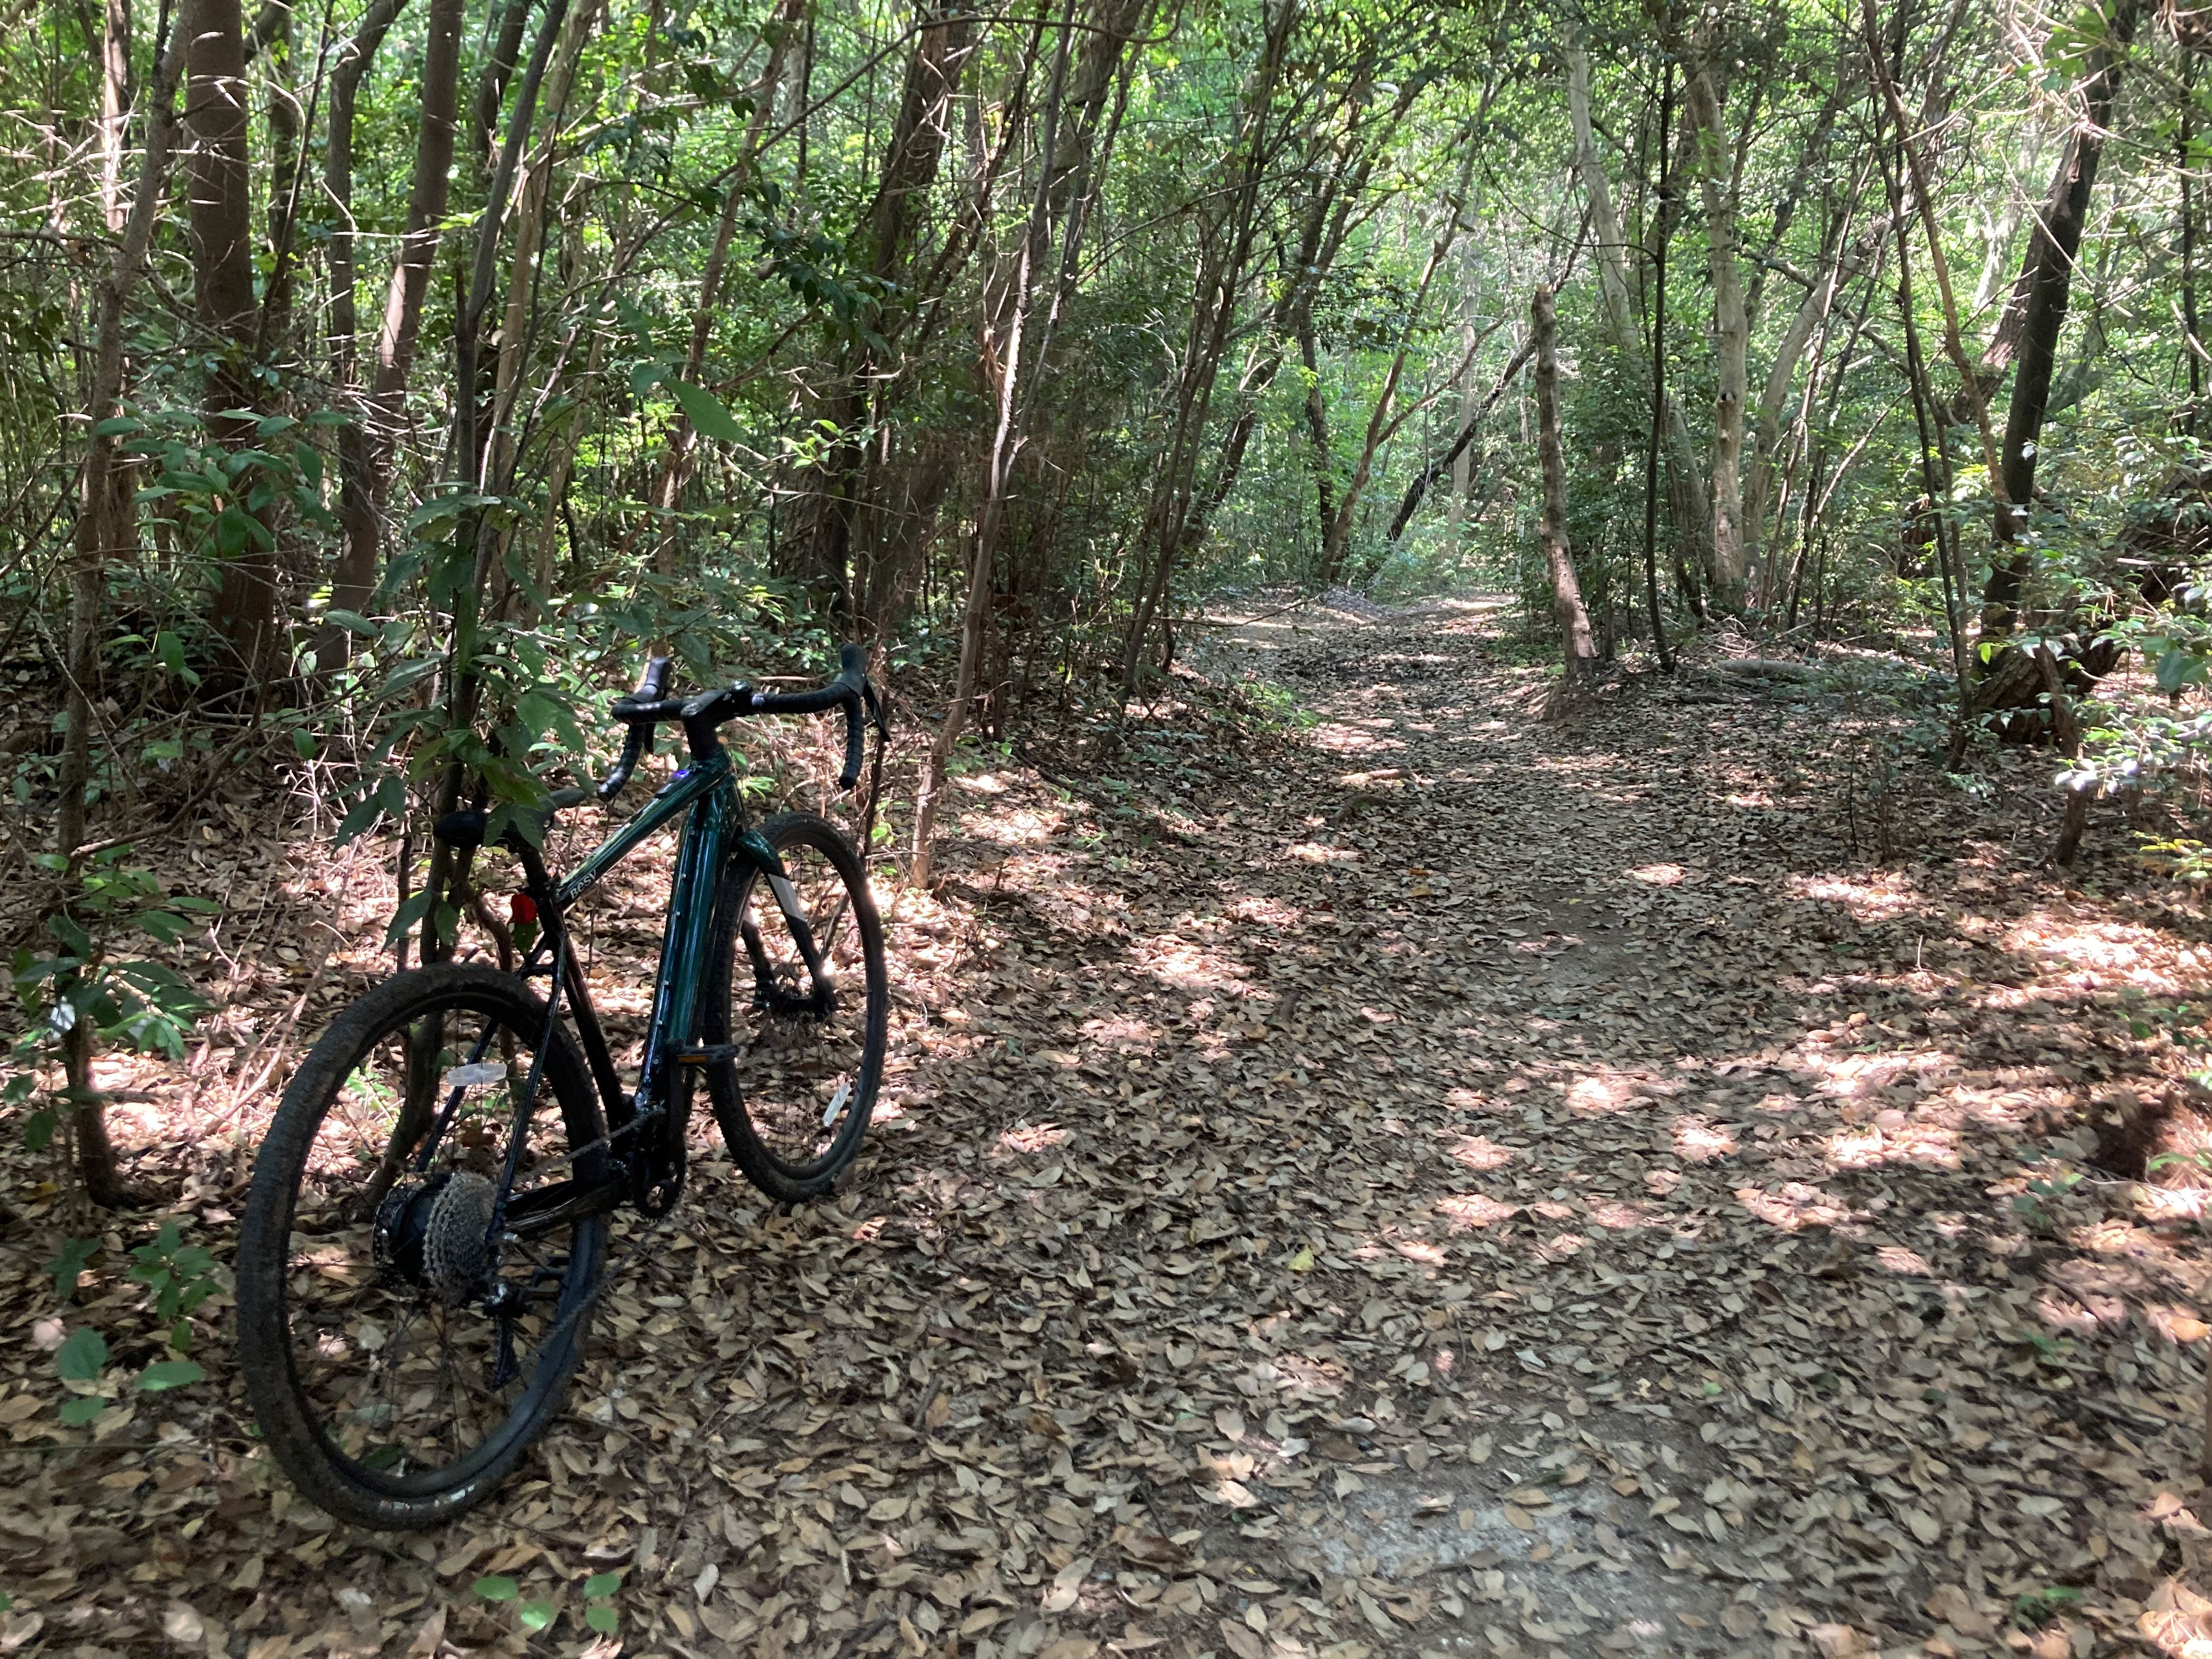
column 220, row 226
column 366, row 448
column 1717, row 181
column 882, row 247
column 1176, row 498
column 2045, row 288
column 104, row 529
column 1576, row 645
column 1687, row 504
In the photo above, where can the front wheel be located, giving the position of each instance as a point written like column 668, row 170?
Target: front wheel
column 794, row 1100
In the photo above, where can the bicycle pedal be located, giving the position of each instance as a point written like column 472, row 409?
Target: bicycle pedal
column 711, row 1054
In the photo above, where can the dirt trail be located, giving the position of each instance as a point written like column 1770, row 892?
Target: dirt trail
column 1425, row 1182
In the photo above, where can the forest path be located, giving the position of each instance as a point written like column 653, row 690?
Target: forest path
column 1405, row 1179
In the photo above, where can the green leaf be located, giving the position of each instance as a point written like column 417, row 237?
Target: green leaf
column 303, row 743
column 84, row 1357
column 170, row 1373
column 536, row 1616
column 706, row 413
column 67, row 1268
column 79, row 1409
column 496, row 1586
column 601, row 1585
column 603, row 1618
column 73, row 937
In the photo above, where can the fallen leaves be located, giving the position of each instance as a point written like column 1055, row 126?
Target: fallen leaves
column 1512, row 1217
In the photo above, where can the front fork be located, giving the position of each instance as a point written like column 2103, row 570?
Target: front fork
column 755, row 848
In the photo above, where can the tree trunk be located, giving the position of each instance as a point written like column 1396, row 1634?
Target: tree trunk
column 2045, row 288
column 1002, row 370
column 1381, row 426
column 1470, row 424
column 676, row 462
column 1731, row 326
column 1578, row 648
column 1662, row 228
column 1168, row 519
column 1835, row 275
column 104, row 529
column 882, row 247
column 366, row 448
column 1320, row 455
column 114, row 110
column 1687, row 504
column 1462, row 465
column 219, row 224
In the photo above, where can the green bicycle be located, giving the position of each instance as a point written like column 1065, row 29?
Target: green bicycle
column 426, row 1229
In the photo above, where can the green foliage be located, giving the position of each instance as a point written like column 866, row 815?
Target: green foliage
column 599, row 1612
column 2033, row 1609
column 180, row 1277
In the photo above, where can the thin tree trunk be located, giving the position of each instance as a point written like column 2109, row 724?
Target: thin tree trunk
column 1970, row 385
column 1462, row 467
column 474, row 532
column 882, row 247
column 1320, row 456
column 1411, row 502
column 1169, row 520
column 1731, row 327
column 356, row 517
column 1835, row 274
column 1337, row 530
column 367, row 449
column 1664, row 225
column 1001, row 366
column 676, row 462
column 1935, row 460
column 1689, row 508
column 114, row 110
column 2046, row 281
column 104, row 530
column 220, row 223
column 1002, row 371
column 2192, row 345
column 1578, row 648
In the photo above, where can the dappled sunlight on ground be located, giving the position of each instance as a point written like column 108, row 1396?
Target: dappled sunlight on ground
column 1436, row 1184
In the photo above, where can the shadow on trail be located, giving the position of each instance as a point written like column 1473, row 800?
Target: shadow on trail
column 1413, row 1180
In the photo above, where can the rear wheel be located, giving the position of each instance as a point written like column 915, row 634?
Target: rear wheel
column 795, row 1101
column 398, row 1358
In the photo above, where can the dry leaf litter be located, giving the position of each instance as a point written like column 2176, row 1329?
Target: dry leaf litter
column 1412, row 1181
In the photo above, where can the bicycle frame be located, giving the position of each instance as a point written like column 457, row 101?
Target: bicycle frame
column 705, row 795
